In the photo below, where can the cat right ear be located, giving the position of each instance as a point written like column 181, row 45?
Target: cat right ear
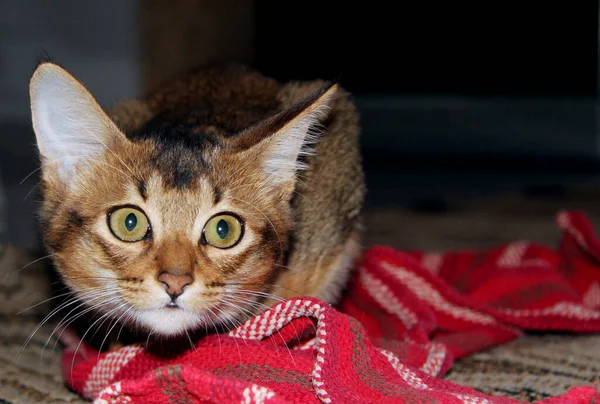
column 70, row 126
column 276, row 144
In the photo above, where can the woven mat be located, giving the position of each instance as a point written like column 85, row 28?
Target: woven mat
column 532, row 368
column 29, row 377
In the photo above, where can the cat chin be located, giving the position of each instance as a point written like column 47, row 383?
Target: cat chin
column 169, row 322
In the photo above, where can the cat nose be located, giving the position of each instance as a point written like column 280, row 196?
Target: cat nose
column 175, row 283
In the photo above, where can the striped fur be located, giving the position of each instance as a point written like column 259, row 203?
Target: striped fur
column 284, row 158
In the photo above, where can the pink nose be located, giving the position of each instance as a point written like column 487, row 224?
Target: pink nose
column 174, row 282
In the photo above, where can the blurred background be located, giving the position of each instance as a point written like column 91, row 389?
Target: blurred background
column 479, row 119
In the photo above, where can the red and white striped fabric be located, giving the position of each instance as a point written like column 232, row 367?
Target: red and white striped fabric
column 404, row 319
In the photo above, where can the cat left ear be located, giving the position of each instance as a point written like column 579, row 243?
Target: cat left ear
column 69, row 125
column 282, row 139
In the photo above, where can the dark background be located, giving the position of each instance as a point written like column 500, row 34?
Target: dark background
column 509, row 48
column 458, row 100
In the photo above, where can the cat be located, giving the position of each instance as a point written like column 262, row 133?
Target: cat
column 202, row 203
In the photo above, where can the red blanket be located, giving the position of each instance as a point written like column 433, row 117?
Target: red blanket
column 404, row 319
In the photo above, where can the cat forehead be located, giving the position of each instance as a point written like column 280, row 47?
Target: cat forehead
column 154, row 189
column 177, row 210
column 180, row 157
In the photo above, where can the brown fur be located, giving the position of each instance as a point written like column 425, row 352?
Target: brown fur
column 304, row 236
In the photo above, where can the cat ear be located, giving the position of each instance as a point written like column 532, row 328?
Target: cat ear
column 69, row 125
column 282, row 139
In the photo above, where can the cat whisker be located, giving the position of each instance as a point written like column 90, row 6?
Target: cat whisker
column 251, row 162
column 66, row 321
column 111, row 328
column 95, row 277
column 229, row 318
column 120, row 329
column 261, row 294
column 254, row 303
column 281, row 249
column 305, row 177
column 308, row 200
column 96, row 163
column 250, row 301
column 261, row 185
column 92, row 134
column 230, row 298
column 88, row 330
column 41, row 323
column 299, row 181
column 30, row 192
column 240, row 307
column 112, row 323
column 212, row 321
column 190, row 340
column 43, row 301
column 30, row 174
column 230, row 304
column 34, row 261
column 113, row 167
column 284, row 266
column 99, row 327
column 234, row 321
column 296, row 192
column 87, row 297
column 59, row 282
column 266, row 183
column 148, row 339
column 40, row 167
column 248, row 313
column 260, row 284
column 265, row 307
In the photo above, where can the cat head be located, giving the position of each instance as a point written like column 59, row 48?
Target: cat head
column 169, row 230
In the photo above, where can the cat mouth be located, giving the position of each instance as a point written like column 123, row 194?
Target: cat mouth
column 173, row 306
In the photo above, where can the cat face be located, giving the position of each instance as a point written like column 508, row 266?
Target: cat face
column 169, row 230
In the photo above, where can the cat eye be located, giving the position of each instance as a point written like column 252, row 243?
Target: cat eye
column 128, row 224
column 224, row 230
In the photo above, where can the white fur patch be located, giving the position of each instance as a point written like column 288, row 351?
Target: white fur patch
column 70, row 126
column 169, row 321
column 294, row 140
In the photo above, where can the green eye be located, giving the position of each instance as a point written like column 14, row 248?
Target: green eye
column 223, row 231
column 128, row 224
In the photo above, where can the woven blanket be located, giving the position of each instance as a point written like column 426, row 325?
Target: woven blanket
column 404, row 319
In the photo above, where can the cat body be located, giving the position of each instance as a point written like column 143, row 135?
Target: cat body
column 202, row 203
